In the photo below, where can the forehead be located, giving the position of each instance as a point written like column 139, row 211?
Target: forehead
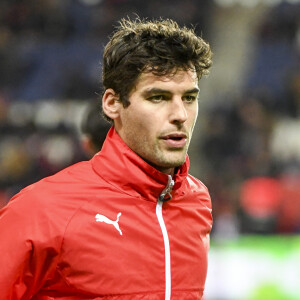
column 180, row 79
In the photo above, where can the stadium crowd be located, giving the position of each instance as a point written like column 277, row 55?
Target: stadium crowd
column 50, row 54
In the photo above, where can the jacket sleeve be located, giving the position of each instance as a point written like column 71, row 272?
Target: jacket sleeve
column 29, row 248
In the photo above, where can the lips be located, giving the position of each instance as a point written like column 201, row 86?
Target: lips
column 175, row 140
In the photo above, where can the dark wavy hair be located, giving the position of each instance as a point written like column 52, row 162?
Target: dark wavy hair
column 158, row 46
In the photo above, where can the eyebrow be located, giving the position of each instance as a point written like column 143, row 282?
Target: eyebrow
column 192, row 91
column 161, row 91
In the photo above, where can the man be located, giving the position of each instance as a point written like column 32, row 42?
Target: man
column 131, row 223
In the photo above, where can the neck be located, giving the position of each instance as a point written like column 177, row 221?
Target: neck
column 168, row 171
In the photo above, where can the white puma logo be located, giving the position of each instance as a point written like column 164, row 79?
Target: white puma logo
column 101, row 218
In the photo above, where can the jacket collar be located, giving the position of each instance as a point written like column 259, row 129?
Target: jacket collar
column 117, row 164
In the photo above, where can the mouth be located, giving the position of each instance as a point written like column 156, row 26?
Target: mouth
column 175, row 140
column 174, row 136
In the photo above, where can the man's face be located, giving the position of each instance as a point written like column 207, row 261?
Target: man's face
column 159, row 122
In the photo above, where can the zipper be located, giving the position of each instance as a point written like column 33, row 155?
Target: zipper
column 159, row 215
column 167, row 190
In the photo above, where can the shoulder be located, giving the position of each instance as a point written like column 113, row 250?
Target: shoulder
column 195, row 183
column 198, row 188
column 40, row 214
column 57, row 196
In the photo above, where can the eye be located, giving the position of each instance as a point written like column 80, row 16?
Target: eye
column 157, row 98
column 189, row 98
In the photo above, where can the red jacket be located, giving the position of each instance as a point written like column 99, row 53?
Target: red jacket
column 97, row 230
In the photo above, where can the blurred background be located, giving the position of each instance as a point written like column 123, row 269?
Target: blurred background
column 246, row 146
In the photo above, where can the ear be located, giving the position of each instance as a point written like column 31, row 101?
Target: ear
column 111, row 104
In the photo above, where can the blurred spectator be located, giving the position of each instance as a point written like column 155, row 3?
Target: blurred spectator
column 289, row 214
column 260, row 204
column 285, row 144
column 94, row 129
column 253, row 140
column 36, row 141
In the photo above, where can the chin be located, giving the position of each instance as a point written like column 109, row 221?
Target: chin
column 172, row 164
column 171, row 160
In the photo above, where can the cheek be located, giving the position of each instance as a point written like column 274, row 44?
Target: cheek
column 143, row 121
column 139, row 126
column 193, row 114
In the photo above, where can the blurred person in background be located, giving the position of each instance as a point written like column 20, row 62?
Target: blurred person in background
column 131, row 223
column 94, row 129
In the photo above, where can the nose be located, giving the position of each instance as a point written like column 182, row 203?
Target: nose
column 178, row 113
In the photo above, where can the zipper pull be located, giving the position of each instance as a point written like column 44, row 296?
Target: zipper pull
column 167, row 190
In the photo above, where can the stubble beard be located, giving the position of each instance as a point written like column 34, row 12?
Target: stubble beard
column 164, row 159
